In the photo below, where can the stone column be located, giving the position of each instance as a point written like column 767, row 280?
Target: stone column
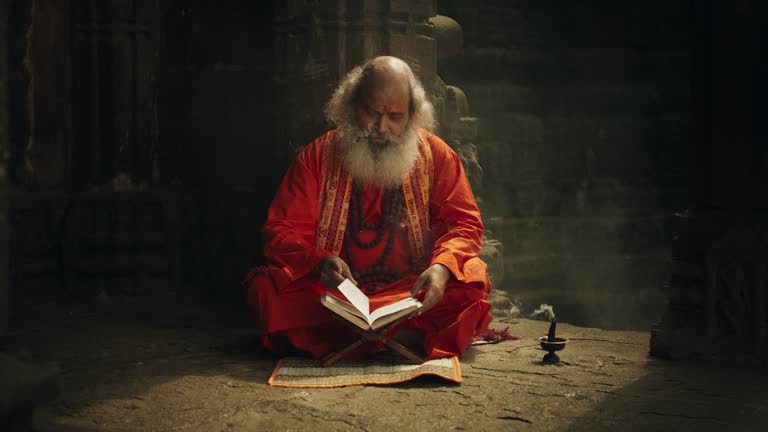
column 114, row 92
column 39, row 65
column 4, row 270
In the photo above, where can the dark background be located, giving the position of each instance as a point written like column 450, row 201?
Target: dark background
column 142, row 140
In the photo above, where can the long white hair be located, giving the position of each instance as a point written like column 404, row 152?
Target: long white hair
column 341, row 107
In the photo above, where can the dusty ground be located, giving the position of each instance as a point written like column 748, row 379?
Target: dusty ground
column 136, row 367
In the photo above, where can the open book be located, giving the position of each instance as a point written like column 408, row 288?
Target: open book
column 357, row 309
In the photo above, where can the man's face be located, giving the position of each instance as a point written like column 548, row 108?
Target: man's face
column 383, row 112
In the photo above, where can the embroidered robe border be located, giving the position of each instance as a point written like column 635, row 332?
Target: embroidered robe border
column 336, row 190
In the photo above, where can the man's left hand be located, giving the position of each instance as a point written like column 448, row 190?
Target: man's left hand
column 433, row 281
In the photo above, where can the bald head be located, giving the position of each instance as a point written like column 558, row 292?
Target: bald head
column 383, row 102
column 388, row 75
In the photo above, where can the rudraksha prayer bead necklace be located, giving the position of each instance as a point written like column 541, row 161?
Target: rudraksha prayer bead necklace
column 392, row 206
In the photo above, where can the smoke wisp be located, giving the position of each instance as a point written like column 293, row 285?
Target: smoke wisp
column 546, row 309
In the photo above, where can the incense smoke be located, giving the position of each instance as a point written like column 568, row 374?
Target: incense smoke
column 516, row 308
column 545, row 309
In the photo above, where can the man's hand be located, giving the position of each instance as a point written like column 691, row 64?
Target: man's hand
column 433, row 281
column 333, row 270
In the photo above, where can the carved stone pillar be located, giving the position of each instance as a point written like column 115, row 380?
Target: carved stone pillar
column 39, row 56
column 83, row 92
column 4, row 270
column 114, row 92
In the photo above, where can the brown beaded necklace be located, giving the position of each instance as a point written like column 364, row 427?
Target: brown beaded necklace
column 392, row 206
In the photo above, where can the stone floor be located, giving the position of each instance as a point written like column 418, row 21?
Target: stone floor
column 135, row 366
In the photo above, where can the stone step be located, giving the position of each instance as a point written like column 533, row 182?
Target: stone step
column 489, row 98
column 528, row 65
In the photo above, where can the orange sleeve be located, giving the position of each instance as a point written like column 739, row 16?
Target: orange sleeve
column 289, row 231
column 456, row 226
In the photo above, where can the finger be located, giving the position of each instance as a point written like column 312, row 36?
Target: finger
column 330, row 277
column 429, row 301
column 337, row 278
column 326, row 281
column 336, row 266
column 417, row 285
column 434, row 295
column 348, row 274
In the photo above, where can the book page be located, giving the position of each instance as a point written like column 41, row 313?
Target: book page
column 392, row 308
column 356, row 297
column 342, row 305
column 344, row 310
column 388, row 319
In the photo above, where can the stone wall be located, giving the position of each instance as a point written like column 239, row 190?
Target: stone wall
column 166, row 102
column 83, row 118
column 583, row 143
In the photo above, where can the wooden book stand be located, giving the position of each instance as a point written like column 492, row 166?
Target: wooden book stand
column 371, row 336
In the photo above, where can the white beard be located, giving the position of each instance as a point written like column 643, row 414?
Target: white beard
column 370, row 164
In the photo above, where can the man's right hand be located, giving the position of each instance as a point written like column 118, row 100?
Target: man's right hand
column 333, row 270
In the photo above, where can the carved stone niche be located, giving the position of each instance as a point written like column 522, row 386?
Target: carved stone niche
column 718, row 309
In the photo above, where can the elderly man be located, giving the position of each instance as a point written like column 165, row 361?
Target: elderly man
column 380, row 201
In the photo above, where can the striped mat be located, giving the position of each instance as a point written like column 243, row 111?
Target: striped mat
column 305, row 372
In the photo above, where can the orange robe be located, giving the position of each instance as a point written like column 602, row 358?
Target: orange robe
column 284, row 295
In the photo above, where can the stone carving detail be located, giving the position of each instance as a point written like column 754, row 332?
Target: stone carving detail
column 114, row 94
column 110, row 237
column 459, row 130
column 717, row 291
column 737, row 285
